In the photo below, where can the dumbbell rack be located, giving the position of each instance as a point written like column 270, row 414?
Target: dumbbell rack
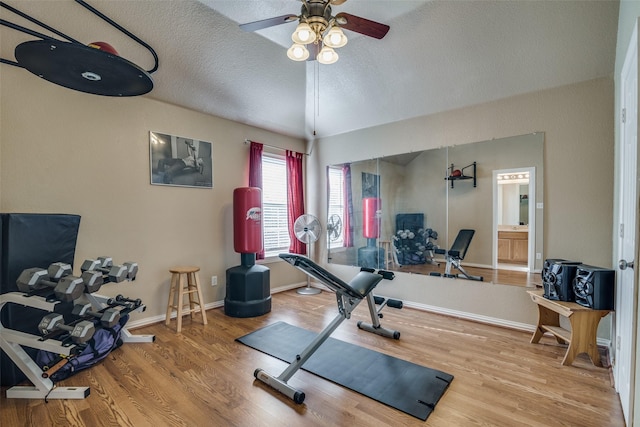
column 11, row 341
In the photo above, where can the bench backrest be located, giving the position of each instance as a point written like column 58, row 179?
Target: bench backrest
column 359, row 287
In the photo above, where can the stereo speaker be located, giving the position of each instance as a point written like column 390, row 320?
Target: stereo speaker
column 593, row 287
column 557, row 279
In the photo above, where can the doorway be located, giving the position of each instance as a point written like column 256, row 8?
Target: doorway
column 514, row 219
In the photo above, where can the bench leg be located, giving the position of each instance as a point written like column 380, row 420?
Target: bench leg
column 546, row 317
column 584, row 326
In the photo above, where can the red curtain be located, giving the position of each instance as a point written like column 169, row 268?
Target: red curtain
column 295, row 198
column 255, row 175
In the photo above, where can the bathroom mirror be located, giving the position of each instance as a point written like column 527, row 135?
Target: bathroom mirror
column 393, row 212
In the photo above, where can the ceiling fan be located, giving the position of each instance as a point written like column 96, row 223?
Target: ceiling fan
column 321, row 30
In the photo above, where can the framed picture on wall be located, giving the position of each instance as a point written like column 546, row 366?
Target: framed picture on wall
column 180, row 161
column 370, row 185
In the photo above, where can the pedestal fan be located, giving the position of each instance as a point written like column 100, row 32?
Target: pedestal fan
column 334, row 227
column 307, row 229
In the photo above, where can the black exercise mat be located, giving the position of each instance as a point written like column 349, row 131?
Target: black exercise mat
column 403, row 385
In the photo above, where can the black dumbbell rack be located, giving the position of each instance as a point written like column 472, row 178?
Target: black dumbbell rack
column 12, row 341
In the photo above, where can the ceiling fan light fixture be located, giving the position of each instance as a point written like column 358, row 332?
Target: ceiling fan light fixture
column 327, row 56
column 303, row 34
column 298, row 52
column 335, row 38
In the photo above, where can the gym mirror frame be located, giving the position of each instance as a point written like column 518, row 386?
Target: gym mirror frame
column 416, row 204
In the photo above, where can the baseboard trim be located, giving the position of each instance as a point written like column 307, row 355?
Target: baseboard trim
column 216, row 304
column 493, row 321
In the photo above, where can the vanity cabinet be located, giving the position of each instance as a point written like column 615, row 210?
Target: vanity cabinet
column 513, row 247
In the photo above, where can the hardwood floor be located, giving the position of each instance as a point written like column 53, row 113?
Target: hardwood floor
column 202, row 377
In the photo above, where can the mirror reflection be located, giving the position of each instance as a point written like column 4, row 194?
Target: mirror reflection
column 405, row 212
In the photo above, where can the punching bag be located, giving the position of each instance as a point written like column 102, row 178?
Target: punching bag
column 248, row 285
column 370, row 217
column 247, row 220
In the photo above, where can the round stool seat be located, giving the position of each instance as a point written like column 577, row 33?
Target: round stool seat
column 184, row 269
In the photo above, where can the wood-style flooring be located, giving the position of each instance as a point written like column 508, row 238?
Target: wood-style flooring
column 202, row 377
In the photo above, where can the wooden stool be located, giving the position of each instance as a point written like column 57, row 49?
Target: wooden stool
column 180, row 287
column 388, row 254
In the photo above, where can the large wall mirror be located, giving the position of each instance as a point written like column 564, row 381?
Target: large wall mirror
column 399, row 212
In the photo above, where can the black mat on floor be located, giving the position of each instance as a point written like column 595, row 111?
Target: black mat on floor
column 403, row 385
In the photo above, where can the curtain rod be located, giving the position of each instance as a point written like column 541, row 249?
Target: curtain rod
column 248, row 141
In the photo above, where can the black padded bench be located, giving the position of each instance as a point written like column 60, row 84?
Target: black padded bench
column 348, row 296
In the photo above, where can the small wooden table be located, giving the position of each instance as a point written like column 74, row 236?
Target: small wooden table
column 584, row 326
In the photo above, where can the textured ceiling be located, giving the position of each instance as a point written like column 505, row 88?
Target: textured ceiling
column 438, row 55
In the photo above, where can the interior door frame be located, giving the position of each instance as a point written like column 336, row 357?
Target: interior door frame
column 531, row 256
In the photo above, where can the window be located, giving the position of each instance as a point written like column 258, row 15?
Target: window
column 336, row 203
column 274, row 205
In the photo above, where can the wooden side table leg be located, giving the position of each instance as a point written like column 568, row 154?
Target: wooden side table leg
column 171, row 303
column 545, row 317
column 584, row 327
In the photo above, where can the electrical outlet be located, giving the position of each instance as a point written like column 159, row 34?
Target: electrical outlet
column 214, row 280
column 538, row 255
column 539, row 205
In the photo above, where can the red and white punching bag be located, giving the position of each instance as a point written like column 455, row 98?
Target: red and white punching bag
column 247, row 220
column 370, row 217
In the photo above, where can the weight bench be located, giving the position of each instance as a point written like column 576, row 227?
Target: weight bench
column 348, row 296
column 456, row 254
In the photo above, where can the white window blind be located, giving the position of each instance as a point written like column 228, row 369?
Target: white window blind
column 274, row 205
column 336, row 202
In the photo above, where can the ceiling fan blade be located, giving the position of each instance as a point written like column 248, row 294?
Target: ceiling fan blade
column 270, row 22
column 362, row 25
column 337, row 2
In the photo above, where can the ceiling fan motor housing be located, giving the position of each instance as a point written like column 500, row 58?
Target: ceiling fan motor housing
column 317, row 14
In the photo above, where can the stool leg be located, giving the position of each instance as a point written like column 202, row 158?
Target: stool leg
column 171, row 303
column 190, row 290
column 180, row 302
column 204, row 313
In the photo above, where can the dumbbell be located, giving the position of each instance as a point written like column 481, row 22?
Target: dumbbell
column 108, row 318
column 80, row 333
column 68, row 288
column 131, row 267
column 113, row 273
column 121, row 300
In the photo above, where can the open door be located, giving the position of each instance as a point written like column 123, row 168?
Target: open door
column 624, row 361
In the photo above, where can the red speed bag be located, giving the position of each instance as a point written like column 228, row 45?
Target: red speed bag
column 371, row 217
column 247, row 220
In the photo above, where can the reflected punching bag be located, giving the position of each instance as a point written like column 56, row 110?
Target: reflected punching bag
column 370, row 217
column 371, row 256
column 248, row 292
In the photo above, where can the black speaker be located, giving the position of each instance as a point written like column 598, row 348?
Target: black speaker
column 593, row 287
column 557, row 279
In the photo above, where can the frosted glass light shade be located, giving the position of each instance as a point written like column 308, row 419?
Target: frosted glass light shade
column 298, row 52
column 335, row 38
column 303, row 34
column 327, row 56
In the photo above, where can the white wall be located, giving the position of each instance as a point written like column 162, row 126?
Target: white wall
column 64, row 151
